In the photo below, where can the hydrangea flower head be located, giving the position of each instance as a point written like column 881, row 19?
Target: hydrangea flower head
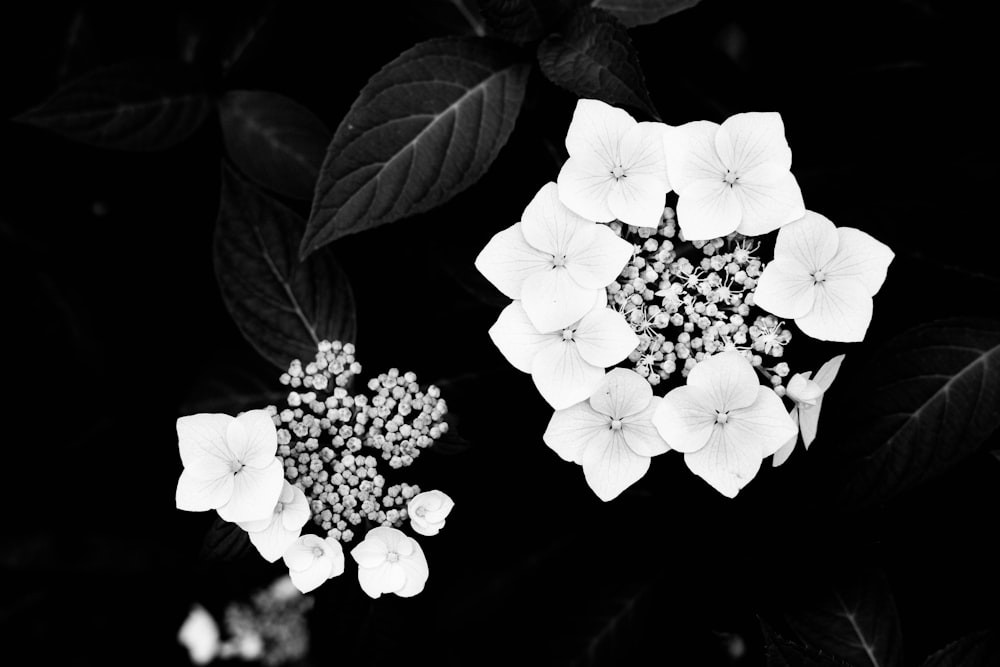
column 554, row 261
column 390, row 562
column 808, row 397
column 732, row 177
column 724, row 422
column 312, row 559
column 616, row 167
column 824, row 277
column 229, row 465
column 612, row 435
column 275, row 534
column 428, row 511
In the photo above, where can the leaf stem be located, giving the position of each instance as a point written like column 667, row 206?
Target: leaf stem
column 476, row 24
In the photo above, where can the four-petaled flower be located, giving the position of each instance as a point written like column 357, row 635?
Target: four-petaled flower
column 311, row 560
column 808, row 397
column 724, row 421
column 616, row 167
column 274, row 534
column 566, row 365
column 612, row 435
column 554, row 261
column 824, row 277
column 732, row 177
column 428, row 511
column 229, row 465
column 390, row 562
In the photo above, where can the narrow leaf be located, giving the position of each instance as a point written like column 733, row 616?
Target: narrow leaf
column 275, row 141
column 594, row 58
column 426, row 127
column 979, row 648
column 643, row 12
column 282, row 306
column 133, row 107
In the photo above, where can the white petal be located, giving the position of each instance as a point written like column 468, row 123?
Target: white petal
column 747, row 140
column 571, row 429
column 255, row 493
column 517, row 338
column 612, row 468
column 596, row 256
column 312, row 578
column 726, row 464
column 584, row 185
column 295, row 512
column 302, row 553
column 547, row 224
column 639, row 197
column 334, row 552
column 827, row 373
column 274, row 541
column 809, row 421
column 623, row 393
column 642, row 153
column 708, row 209
column 640, row 435
column 416, row 571
column 259, row 524
column 508, row 259
column 785, row 288
column 260, row 439
column 728, row 380
column 786, row 449
column 803, row 390
column 370, row 553
column 553, row 300
column 861, row 256
column 691, row 155
column 684, row 418
column 199, row 634
column 425, row 528
column 198, row 494
column 842, row 312
column 563, row 377
column 811, row 240
column 765, row 424
column 201, row 440
column 596, row 131
column 770, row 197
column 372, row 579
column 603, row 337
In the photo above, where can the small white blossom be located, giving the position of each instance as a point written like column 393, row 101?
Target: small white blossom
column 724, row 422
column 808, row 397
column 732, row 177
column 229, row 465
column 311, row 560
column 553, row 260
column 273, row 535
column 616, row 167
column 199, row 634
column 428, row 511
column 824, row 277
column 390, row 562
column 612, row 435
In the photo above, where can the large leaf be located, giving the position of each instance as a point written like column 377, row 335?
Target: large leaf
column 781, row 652
column 932, row 399
column 144, row 106
column 426, row 127
column 284, row 307
column 979, row 648
column 594, row 58
column 643, row 12
column 524, row 21
column 275, row 141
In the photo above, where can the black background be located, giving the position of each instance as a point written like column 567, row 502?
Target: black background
column 113, row 327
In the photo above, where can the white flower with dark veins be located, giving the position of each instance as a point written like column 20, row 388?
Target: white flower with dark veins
column 229, row 465
column 428, row 511
column 616, row 168
column 273, row 535
column 311, row 560
column 724, row 421
column 390, row 562
column 612, row 435
column 808, row 397
column 824, row 277
column 554, row 261
column 732, row 177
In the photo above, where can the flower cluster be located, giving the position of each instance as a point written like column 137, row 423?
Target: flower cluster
column 675, row 293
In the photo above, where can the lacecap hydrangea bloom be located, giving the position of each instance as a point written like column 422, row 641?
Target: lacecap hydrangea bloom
column 390, row 562
column 311, row 560
column 428, row 511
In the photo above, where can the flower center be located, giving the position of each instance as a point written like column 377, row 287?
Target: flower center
column 318, row 552
column 235, row 466
column 567, row 334
column 819, row 276
column 392, row 557
column 730, row 177
column 421, row 511
column 721, row 417
column 618, row 172
column 616, row 424
column 558, row 261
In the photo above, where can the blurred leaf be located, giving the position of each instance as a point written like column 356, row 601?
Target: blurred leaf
column 426, row 127
column 931, row 401
column 81, row 49
column 144, row 106
column 643, row 12
column 524, row 21
column 231, row 389
column 224, row 542
column 274, row 140
column 241, row 30
column 282, row 306
column 594, row 58
column 979, row 648
column 781, row 652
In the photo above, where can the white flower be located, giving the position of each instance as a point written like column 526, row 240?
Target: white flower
column 808, row 397
column 554, row 261
column 229, row 465
column 390, row 562
column 611, row 435
column 428, row 511
column 566, row 365
column 616, row 167
column 824, row 277
column 273, row 535
column 311, row 560
column 199, row 634
column 732, row 177
column 724, row 421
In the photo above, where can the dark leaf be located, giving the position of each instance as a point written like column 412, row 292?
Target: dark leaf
column 426, row 127
column 284, row 307
column 133, row 106
column 242, row 29
column 275, row 141
column 931, row 401
column 524, row 21
column 643, row 12
column 231, row 389
column 781, row 652
column 594, row 58
column 979, row 648
column 225, row 542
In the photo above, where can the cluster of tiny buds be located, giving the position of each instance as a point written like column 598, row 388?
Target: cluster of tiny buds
column 334, row 365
